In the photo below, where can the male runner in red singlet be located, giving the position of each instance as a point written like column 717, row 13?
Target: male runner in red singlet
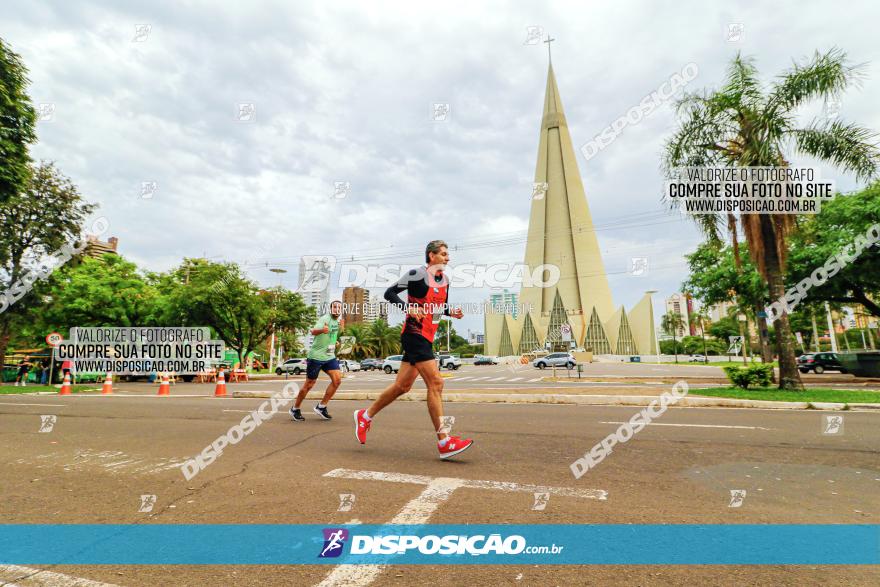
column 427, row 291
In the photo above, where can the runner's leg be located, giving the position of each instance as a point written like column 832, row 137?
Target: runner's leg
column 335, row 380
column 303, row 392
column 430, row 374
column 402, row 384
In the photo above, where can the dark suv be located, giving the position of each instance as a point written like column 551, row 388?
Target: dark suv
column 370, row 364
column 819, row 363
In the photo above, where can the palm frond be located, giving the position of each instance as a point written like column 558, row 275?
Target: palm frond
column 825, row 75
column 849, row 146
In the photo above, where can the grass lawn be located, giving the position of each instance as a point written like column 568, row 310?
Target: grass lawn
column 808, row 395
column 9, row 389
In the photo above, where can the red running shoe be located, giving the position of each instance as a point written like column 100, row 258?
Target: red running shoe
column 454, row 445
column 361, row 426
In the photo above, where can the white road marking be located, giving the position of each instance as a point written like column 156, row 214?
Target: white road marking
column 419, row 510
column 497, row 378
column 41, row 405
column 29, row 577
column 478, row 378
column 535, row 379
column 698, row 425
column 515, row 379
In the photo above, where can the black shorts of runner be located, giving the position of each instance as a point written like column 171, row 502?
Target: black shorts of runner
column 416, row 348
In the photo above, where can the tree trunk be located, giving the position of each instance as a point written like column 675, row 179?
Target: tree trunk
column 5, row 335
column 815, row 330
column 789, row 377
column 764, row 341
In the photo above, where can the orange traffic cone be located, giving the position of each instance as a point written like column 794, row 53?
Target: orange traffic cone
column 220, row 388
column 164, row 387
column 65, row 387
column 108, row 384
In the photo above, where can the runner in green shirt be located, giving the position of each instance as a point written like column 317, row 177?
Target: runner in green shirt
column 322, row 357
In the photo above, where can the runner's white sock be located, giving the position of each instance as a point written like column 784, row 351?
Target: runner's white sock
column 367, row 417
column 443, row 442
column 321, row 406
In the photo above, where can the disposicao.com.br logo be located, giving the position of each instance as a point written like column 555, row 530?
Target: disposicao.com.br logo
column 401, row 544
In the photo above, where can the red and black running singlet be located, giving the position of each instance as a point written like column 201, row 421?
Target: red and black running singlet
column 428, row 289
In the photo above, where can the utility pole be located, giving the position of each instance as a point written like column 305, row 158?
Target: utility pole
column 831, row 328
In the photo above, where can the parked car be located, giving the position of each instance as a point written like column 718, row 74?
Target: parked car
column 349, row 364
column 699, row 358
column 819, row 363
column 485, row 361
column 450, row 362
column 392, row 363
column 555, row 360
column 370, row 364
column 295, row 366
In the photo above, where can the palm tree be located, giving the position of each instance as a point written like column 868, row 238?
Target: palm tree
column 361, row 348
column 670, row 323
column 699, row 318
column 384, row 340
column 746, row 124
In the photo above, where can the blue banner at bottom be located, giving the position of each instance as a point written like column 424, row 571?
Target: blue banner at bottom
column 436, row 544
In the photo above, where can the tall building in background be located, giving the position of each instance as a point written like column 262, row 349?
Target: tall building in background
column 96, row 248
column 354, row 301
column 720, row 310
column 679, row 304
column 375, row 309
column 578, row 310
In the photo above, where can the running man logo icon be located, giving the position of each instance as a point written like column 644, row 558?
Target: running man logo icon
column 832, row 424
column 334, row 541
column 346, row 502
column 47, row 423
column 446, row 423
column 541, row 500
column 737, row 497
column 317, row 271
column 539, row 190
column 147, row 503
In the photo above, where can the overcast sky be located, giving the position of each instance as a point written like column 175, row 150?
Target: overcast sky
column 343, row 91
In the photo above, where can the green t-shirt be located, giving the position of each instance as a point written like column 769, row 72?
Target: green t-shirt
column 324, row 345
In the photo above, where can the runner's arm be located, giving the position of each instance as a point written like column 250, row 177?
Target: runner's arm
column 410, row 282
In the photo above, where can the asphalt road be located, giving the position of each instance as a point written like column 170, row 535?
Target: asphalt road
column 103, row 453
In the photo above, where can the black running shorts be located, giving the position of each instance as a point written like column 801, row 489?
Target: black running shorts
column 416, row 348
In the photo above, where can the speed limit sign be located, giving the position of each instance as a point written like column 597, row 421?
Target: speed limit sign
column 54, row 338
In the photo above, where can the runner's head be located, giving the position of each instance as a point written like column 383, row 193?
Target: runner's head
column 335, row 309
column 436, row 253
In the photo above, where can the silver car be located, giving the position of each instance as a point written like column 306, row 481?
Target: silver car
column 555, row 360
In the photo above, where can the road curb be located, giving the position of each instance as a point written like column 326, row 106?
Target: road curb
column 590, row 400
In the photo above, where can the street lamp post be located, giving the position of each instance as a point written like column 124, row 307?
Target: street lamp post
column 279, row 272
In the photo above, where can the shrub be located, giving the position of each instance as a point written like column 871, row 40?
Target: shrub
column 756, row 374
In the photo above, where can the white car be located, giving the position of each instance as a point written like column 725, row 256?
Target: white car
column 699, row 359
column 392, row 363
column 295, row 366
column 555, row 360
column 349, row 365
column 450, row 362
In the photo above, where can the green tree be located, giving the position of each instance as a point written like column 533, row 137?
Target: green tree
column 34, row 225
column 670, row 323
column 833, row 231
column 17, row 121
column 745, row 124
column 362, row 347
column 202, row 293
column 440, row 338
column 383, row 340
column 715, row 277
column 107, row 291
